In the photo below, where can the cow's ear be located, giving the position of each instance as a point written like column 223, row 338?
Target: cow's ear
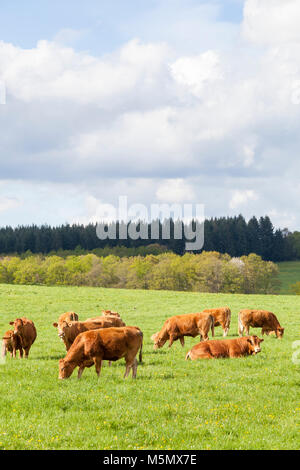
column 11, row 322
column 55, row 325
column 261, row 340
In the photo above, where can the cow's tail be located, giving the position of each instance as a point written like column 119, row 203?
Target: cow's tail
column 228, row 318
column 141, row 350
column 212, row 326
column 188, row 355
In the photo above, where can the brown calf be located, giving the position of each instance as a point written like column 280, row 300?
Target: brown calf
column 179, row 326
column 11, row 343
column 222, row 317
column 263, row 319
column 26, row 332
column 246, row 346
column 95, row 346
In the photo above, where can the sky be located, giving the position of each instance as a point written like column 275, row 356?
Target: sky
column 162, row 101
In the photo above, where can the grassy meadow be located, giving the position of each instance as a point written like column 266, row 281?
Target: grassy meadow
column 289, row 274
column 248, row 403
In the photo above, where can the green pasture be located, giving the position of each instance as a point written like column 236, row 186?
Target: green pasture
column 247, row 403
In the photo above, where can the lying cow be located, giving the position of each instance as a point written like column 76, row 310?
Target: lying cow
column 115, row 318
column 263, row 319
column 67, row 331
column 179, row 326
column 11, row 343
column 222, row 317
column 214, row 349
column 26, row 332
column 110, row 313
column 109, row 344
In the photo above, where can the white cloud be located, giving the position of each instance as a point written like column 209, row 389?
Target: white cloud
column 159, row 122
column 271, row 22
column 8, row 203
column 175, row 191
column 242, row 197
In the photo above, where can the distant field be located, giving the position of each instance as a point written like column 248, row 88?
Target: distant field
column 248, row 403
column 289, row 274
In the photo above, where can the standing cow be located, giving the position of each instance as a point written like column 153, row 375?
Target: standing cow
column 11, row 343
column 95, row 346
column 263, row 319
column 222, row 317
column 26, row 332
column 215, row 349
column 179, row 326
column 68, row 331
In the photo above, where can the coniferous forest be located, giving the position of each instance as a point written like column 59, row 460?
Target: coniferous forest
column 232, row 235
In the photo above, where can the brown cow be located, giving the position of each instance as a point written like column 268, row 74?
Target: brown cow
column 26, row 332
column 222, row 316
column 116, row 319
column 109, row 344
column 213, row 349
column 259, row 319
column 65, row 317
column 11, row 343
column 110, row 313
column 68, row 331
column 179, row 326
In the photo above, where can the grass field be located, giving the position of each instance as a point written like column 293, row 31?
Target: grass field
column 248, row 403
column 289, row 274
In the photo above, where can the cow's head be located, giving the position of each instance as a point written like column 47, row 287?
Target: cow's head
column 158, row 342
column 65, row 369
column 18, row 325
column 61, row 328
column 279, row 332
column 254, row 342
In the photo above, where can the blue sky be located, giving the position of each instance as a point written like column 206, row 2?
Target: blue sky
column 104, row 25
column 160, row 100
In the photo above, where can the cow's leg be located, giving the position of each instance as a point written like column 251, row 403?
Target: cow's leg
column 26, row 352
column 98, row 364
column 182, row 340
column 80, row 371
column 171, row 340
column 127, row 370
column 247, row 328
column 109, row 363
column 21, row 353
column 134, row 368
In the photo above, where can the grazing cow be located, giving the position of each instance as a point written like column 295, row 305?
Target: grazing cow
column 222, row 316
column 213, row 349
column 11, row 343
column 179, row 326
column 68, row 331
column 26, row 332
column 259, row 319
column 109, row 344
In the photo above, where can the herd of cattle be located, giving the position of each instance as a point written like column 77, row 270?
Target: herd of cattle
column 107, row 338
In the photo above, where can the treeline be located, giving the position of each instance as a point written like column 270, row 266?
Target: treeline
column 205, row 272
column 232, row 235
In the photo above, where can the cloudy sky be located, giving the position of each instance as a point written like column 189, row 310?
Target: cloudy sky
column 160, row 100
